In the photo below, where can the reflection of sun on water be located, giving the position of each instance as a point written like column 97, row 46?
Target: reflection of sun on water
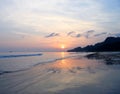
column 64, row 63
column 62, row 54
column 71, row 63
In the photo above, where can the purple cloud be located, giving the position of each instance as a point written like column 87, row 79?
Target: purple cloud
column 103, row 33
column 52, row 35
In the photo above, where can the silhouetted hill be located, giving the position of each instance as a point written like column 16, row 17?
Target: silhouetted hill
column 110, row 44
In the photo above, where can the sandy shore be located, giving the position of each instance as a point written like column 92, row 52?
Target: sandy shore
column 77, row 75
column 109, row 58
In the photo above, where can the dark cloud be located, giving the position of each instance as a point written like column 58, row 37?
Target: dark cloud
column 52, row 35
column 70, row 33
column 73, row 34
column 113, row 34
column 88, row 33
column 78, row 35
column 117, row 35
column 103, row 33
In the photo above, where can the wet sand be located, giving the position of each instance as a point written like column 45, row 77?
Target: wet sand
column 76, row 75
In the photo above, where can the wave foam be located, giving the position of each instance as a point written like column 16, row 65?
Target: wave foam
column 22, row 55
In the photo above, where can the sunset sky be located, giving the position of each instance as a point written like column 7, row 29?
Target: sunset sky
column 48, row 25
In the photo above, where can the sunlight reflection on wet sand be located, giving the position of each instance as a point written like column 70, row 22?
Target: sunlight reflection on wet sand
column 72, row 75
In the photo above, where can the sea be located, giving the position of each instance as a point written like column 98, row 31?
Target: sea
column 58, row 73
column 19, row 61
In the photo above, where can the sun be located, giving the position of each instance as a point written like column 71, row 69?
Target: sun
column 62, row 46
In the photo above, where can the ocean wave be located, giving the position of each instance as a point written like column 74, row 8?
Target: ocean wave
column 20, row 55
column 54, row 60
column 8, row 72
column 2, row 72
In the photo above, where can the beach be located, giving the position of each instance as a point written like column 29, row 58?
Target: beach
column 59, row 46
column 73, row 75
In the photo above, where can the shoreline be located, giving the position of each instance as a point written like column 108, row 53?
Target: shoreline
column 76, row 75
column 109, row 58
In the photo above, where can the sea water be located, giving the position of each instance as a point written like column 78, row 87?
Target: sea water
column 19, row 61
column 57, row 73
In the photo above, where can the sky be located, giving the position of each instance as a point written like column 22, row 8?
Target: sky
column 48, row 25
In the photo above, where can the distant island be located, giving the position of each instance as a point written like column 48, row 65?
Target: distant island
column 109, row 44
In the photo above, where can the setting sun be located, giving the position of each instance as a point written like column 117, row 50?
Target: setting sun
column 62, row 46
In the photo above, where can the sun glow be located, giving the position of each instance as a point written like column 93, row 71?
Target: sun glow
column 62, row 46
